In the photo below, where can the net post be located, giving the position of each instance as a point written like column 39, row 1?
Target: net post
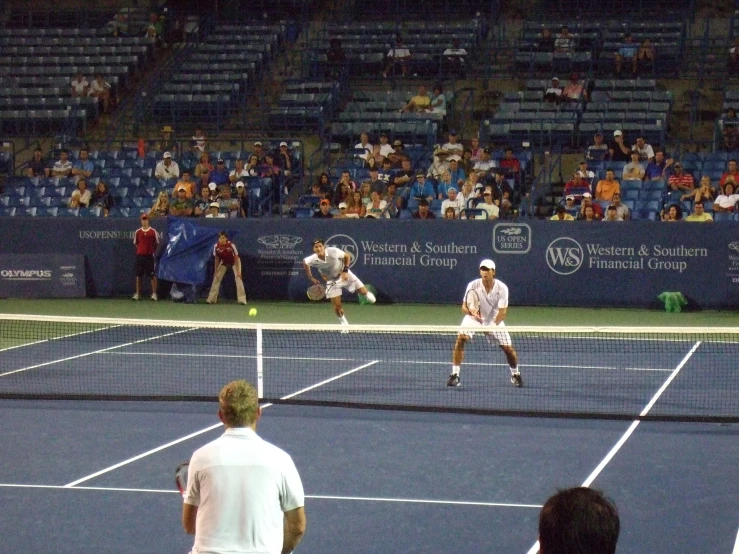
column 260, row 364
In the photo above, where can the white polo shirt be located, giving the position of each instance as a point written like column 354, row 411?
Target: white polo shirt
column 331, row 266
column 242, row 486
column 492, row 302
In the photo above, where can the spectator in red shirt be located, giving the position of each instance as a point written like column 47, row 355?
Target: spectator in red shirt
column 226, row 256
column 509, row 162
column 587, row 202
column 732, row 171
column 577, row 185
column 146, row 240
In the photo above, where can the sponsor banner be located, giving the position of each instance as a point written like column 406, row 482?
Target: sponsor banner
column 544, row 263
column 42, row 276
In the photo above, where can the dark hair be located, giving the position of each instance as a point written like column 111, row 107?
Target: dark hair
column 223, row 234
column 317, row 241
column 579, row 520
column 697, row 202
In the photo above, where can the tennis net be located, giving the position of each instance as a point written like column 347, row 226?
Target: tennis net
column 673, row 374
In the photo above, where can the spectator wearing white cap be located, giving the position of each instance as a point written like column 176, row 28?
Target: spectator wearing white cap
column 619, row 149
column 457, row 173
column 283, row 159
column 553, row 93
column 587, row 202
column 454, row 201
column 167, row 169
column 342, row 211
column 214, row 211
column 243, row 197
column 259, row 151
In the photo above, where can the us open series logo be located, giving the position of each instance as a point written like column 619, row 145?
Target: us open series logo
column 511, row 238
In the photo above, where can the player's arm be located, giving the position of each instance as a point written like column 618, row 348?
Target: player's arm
column 309, row 273
column 345, row 269
column 295, row 525
column 501, row 315
column 189, row 516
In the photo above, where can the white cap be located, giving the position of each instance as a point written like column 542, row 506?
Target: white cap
column 215, row 205
column 342, row 205
column 167, row 154
column 587, row 195
column 617, row 134
column 487, row 264
column 283, row 144
column 240, row 184
column 455, row 157
column 212, row 186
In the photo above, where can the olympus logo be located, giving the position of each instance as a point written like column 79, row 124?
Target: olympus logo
column 564, row 256
column 26, row 273
column 347, row 244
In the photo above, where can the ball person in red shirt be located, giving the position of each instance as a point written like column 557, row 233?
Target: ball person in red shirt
column 146, row 240
column 226, row 256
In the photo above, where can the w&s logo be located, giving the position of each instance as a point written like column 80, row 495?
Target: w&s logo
column 564, row 256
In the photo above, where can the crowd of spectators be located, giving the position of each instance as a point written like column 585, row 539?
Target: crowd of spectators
column 652, row 175
column 462, row 182
column 209, row 189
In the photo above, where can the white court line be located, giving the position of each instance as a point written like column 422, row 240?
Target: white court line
column 313, row 496
column 58, row 338
column 94, row 352
column 736, row 544
column 634, row 424
column 202, row 431
column 420, row 362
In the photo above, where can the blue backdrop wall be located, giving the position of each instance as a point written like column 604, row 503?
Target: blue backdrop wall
column 544, row 263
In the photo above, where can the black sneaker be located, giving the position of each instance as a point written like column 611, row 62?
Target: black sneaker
column 453, row 381
column 516, row 380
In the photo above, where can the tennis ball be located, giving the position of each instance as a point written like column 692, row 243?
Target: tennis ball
column 253, row 312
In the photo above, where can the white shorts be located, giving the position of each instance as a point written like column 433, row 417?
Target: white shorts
column 334, row 286
column 502, row 338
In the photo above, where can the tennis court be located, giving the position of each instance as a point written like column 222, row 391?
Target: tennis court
column 96, row 476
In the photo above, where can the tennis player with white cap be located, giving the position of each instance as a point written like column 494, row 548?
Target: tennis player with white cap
column 485, row 305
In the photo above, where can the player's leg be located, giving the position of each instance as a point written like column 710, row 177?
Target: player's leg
column 457, row 359
column 503, row 338
column 358, row 286
column 240, row 292
column 338, row 309
column 216, row 286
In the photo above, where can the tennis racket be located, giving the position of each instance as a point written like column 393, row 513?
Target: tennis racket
column 472, row 300
column 316, row 292
column 180, row 478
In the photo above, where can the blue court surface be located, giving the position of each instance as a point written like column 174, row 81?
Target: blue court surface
column 97, row 477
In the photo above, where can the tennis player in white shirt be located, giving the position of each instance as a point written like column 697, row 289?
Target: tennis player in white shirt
column 333, row 265
column 493, row 300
